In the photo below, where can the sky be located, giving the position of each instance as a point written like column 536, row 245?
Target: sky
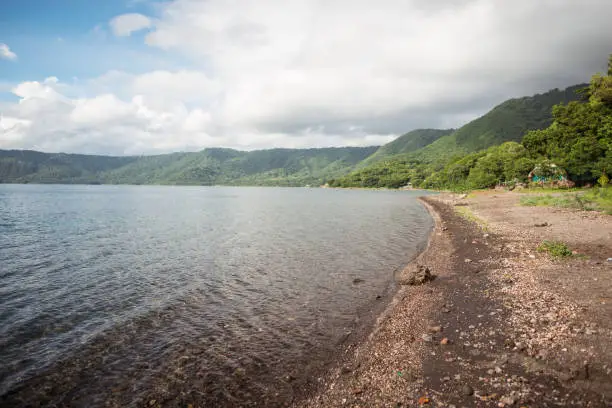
column 143, row 77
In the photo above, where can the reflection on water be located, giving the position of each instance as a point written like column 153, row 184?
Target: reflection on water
column 121, row 295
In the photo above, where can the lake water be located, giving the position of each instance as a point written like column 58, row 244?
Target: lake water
column 212, row 296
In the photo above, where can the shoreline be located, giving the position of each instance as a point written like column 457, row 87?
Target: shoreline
column 400, row 318
column 351, row 348
column 491, row 329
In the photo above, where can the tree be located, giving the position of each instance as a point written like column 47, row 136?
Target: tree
column 580, row 137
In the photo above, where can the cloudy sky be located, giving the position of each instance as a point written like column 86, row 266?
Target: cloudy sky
column 141, row 76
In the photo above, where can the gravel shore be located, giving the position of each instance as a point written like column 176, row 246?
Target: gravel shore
column 501, row 324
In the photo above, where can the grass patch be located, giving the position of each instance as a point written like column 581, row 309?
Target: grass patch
column 566, row 200
column 601, row 198
column 466, row 213
column 556, row 249
column 532, row 190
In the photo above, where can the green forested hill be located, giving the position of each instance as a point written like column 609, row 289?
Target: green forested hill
column 210, row 166
column 31, row 166
column 507, row 122
column 407, row 143
column 291, row 167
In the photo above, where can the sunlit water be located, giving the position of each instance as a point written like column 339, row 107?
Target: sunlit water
column 121, row 295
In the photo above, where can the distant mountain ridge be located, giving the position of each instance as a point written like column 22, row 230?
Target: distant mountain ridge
column 290, row 167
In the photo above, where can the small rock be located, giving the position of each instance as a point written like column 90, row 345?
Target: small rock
column 446, row 379
column 503, row 360
column 498, row 370
column 152, row 402
column 551, row 316
column 345, row 370
column 357, row 391
column 467, row 260
column 416, row 275
column 444, row 341
column 357, row 281
column 543, row 224
column 435, row 329
column 445, row 310
column 467, row 390
column 427, row 338
column 507, row 400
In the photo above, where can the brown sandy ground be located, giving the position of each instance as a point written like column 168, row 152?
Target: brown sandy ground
column 521, row 329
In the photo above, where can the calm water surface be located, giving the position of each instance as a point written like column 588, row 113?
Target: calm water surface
column 121, row 295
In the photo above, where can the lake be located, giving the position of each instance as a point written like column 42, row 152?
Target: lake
column 213, row 296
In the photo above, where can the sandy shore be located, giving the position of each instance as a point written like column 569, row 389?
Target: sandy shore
column 501, row 325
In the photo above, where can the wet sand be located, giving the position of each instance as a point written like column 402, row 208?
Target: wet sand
column 501, row 325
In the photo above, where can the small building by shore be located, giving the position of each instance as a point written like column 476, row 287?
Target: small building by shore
column 547, row 173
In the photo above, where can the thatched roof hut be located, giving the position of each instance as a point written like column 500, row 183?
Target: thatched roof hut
column 547, row 172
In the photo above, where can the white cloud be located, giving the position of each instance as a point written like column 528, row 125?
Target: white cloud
column 48, row 120
column 184, row 85
column 303, row 73
column 124, row 25
column 103, row 109
column 6, row 53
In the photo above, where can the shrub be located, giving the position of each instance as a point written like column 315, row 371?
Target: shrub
column 556, row 249
column 603, row 180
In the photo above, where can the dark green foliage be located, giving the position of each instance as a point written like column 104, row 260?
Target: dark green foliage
column 580, row 139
